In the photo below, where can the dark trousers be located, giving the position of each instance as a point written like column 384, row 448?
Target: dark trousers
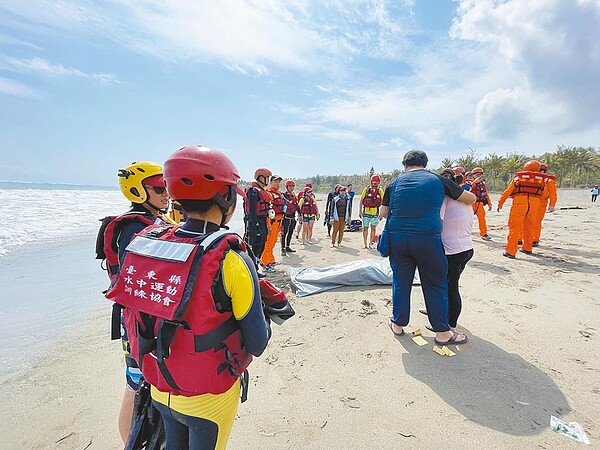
column 594, row 197
column 425, row 252
column 288, row 226
column 186, row 432
column 257, row 243
column 456, row 265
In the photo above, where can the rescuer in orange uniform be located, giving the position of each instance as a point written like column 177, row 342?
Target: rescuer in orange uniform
column 526, row 190
column 479, row 188
column 548, row 195
column 273, row 223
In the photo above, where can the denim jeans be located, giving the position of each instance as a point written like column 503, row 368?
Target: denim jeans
column 425, row 252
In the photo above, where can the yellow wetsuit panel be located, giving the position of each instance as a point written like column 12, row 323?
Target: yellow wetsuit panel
column 218, row 408
column 238, row 284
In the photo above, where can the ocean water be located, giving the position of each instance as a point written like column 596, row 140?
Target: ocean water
column 33, row 216
column 51, row 281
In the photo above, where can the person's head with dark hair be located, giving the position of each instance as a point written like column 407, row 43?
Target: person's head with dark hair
column 448, row 173
column 415, row 158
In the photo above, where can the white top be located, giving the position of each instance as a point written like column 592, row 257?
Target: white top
column 457, row 225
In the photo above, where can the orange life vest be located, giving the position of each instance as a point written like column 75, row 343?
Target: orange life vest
column 277, row 201
column 530, row 183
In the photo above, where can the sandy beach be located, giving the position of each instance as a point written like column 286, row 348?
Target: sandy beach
column 334, row 376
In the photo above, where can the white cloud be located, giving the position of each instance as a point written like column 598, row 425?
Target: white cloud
column 555, row 44
column 39, row 65
column 14, row 88
column 295, row 156
column 320, row 132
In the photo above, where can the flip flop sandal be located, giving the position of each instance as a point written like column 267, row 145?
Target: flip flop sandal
column 423, row 311
column 390, row 324
column 452, row 340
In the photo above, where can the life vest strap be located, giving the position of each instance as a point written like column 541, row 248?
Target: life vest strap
column 215, row 338
column 244, row 384
column 115, row 321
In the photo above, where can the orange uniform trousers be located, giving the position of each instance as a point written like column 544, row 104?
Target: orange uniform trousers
column 537, row 226
column 274, row 227
column 479, row 211
column 521, row 220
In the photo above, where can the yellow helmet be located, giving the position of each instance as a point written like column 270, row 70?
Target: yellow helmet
column 131, row 180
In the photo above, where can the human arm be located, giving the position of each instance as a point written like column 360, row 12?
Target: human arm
column 241, row 283
column 126, row 235
column 552, row 195
column 361, row 208
column 504, row 196
column 455, row 192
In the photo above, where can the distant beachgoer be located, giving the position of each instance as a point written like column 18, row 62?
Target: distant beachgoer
column 525, row 189
column 310, row 213
column 273, row 223
column 548, row 201
column 415, row 229
column 176, row 213
column 339, row 213
column 595, row 192
column 300, row 226
column 330, row 196
column 289, row 219
column 256, row 211
column 142, row 184
column 479, row 188
column 370, row 201
column 206, row 334
column 351, row 194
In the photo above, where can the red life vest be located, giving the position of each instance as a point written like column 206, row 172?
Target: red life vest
column 264, row 201
column 177, row 314
column 277, row 201
column 372, row 198
column 108, row 236
column 481, row 192
column 530, row 183
column 309, row 207
column 290, row 204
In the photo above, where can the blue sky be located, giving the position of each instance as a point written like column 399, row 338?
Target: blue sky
column 300, row 86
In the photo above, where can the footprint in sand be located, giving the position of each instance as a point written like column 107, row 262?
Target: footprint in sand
column 588, row 333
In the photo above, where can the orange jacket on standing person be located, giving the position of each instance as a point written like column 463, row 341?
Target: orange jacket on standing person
column 479, row 188
column 526, row 190
column 548, row 195
column 274, row 224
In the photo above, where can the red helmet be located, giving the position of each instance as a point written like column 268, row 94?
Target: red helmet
column 477, row 170
column 458, row 170
column 375, row 178
column 532, row 166
column 263, row 172
column 544, row 167
column 201, row 173
column 289, row 183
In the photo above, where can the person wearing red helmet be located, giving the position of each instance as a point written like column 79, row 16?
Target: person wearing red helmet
column 525, row 189
column 290, row 208
column 479, row 188
column 309, row 211
column 143, row 185
column 339, row 213
column 370, row 201
column 273, row 223
column 192, row 303
column 548, row 201
column 257, row 204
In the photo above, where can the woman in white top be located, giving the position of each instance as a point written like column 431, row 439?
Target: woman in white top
column 457, row 224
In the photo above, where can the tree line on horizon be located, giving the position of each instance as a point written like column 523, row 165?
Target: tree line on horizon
column 573, row 166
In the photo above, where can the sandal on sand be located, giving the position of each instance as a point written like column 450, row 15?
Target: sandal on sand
column 429, row 327
column 453, row 340
column 391, row 324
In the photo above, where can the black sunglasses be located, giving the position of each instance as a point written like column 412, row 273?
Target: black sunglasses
column 158, row 189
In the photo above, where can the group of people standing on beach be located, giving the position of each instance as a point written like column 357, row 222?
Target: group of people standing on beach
column 192, row 302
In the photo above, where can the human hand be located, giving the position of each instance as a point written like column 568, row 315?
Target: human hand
column 551, row 209
column 499, row 208
column 490, row 207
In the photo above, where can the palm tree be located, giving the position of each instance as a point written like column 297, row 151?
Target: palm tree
column 447, row 163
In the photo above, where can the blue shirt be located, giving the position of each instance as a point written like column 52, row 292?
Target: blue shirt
column 417, row 200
